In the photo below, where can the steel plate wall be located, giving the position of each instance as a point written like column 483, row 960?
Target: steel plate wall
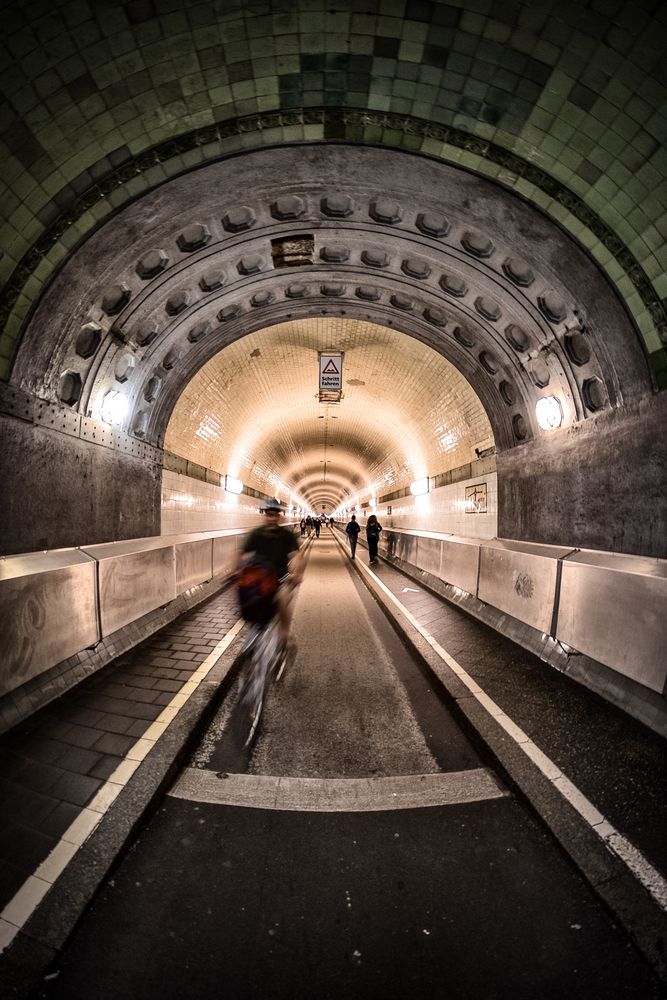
column 133, row 580
column 47, row 612
column 193, row 561
column 396, row 544
column 429, row 552
column 614, row 609
column 520, row 579
column 225, row 546
column 460, row 563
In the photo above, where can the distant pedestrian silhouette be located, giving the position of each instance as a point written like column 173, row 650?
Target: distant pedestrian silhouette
column 352, row 531
column 373, row 529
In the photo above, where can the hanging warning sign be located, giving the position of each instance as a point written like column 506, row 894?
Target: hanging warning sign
column 331, row 371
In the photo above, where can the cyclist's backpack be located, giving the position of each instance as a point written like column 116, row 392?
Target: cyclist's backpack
column 256, row 586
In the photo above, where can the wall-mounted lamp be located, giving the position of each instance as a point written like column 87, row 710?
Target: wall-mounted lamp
column 233, row 485
column 420, row 486
column 549, row 413
column 372, row 502
column 114, row 407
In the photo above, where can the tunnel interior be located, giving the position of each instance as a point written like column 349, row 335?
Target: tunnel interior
column 466, row 204
column 254, row 410
column 488, row 187
column 192, row 323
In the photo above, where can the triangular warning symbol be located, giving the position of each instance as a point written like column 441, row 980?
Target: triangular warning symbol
column 330, row 368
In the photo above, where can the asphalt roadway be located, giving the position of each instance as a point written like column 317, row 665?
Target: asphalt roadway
column 365, row 848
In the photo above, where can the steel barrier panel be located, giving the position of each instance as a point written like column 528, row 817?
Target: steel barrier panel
column 193, row 562
column 460, row 563
column 47, row 612
column 135, row 577
column 428, row 554
column 225, row 547
column 396, row 544
column 613, row 608
column 519, row 578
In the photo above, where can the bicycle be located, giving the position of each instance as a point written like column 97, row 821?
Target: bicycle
column 264, row 654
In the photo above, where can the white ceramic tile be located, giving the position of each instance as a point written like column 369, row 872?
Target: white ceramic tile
column 8, row 932
column 29, row 896
column 82, row 827
column 55, row 863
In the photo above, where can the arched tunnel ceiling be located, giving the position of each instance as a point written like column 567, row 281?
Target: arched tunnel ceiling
column 253, row 412
column 563, row 103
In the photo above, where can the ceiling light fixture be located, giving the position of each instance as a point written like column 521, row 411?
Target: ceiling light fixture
column 114, row 407
column 420, row 486
column 549, row 413
column 233, row 485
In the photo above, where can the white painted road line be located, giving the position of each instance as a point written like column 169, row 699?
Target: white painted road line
column 29, row 896
column 641, row 867
column 407, row 791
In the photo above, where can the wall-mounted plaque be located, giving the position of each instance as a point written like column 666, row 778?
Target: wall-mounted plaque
column 476, row 499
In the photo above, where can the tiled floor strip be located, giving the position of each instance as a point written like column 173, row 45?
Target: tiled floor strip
column 24, row 902
column 641, row 868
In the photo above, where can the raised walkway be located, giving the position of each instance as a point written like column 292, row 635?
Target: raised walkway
column 79, row 777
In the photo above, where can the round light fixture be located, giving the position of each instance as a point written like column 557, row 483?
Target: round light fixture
column 114, row 407
column 549, row 413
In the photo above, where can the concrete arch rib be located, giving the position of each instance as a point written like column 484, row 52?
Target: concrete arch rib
column 445, row 256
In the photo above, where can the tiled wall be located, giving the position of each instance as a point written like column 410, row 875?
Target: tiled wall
column 426, row 416
column 191, row 505
column 443, row 509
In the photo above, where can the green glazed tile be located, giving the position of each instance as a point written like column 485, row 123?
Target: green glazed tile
column 414, row 31
column 288, row 45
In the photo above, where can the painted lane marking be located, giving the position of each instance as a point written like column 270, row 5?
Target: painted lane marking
column 620, row 846
column 29, row 896
column 408, row 791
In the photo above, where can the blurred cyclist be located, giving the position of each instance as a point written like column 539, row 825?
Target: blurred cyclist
column 276, row 545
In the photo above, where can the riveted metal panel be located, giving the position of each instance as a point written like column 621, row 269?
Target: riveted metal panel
column 47, row 612
column 520, row 579
column 613, row 608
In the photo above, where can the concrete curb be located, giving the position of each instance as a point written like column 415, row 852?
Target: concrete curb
column 627, row 900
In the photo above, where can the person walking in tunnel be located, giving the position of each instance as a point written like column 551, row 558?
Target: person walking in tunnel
column 278, row 546
column 352, row 531
column 302, row 525
column 317, row 524
column 373, row 529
